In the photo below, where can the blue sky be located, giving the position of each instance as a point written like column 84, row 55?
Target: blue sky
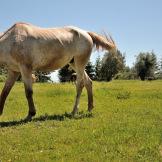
column 135, row 25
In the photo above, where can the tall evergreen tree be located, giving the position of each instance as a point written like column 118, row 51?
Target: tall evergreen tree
column 90, row 70
column 98, row 69
column 160, row 70
column 111, row 65
column 146, row 65
column 65, row 73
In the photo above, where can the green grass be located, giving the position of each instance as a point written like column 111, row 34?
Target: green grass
column 126, row 124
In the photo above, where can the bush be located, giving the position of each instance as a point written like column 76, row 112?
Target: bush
column 2, row 78
column 125, row 76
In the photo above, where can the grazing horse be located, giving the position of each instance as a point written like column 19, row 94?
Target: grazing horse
column 25, row 48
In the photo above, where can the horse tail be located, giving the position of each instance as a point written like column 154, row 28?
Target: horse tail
column 103, row 42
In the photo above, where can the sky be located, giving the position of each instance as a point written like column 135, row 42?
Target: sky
column 135, row 25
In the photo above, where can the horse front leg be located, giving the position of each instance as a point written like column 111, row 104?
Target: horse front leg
column 11, row 78
column 27, row 79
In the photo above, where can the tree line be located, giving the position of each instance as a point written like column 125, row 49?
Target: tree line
column 110, row 66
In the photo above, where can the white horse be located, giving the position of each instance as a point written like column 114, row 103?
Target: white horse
column 25, row 48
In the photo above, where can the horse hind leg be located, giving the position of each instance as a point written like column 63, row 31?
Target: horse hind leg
column 82, row 80
column 88, row 86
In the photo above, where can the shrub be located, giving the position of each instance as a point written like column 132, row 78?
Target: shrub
column 2, row 78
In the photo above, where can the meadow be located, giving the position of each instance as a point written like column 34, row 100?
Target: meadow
column 125, row 126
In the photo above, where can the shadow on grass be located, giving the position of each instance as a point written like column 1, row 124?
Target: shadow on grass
column 57, row 117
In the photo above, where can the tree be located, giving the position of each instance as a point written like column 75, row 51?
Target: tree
column 158, row 74
column 111, row 65
column 3, row 70
column 3, row 73
column 146, row 65
column 90, row 70
column 65, row 73
column 126, row 74
column 98, row 69
column 160, row 65
column 43, row 76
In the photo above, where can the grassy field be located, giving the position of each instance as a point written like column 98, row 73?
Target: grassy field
column 126, row 124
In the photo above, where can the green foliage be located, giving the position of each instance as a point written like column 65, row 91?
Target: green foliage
column 158, row 73
column 98, row 69
column 65, row 73
column 90, row 69
column 40, row 77
column 3, row 70
column 111, row 65
column 117, row 130
column 43, row 76
column 146, row 65
column 126, row 74
column 2, row 78
column 3, row 73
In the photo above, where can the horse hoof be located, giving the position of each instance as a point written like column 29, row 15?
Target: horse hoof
column 90, row 108
column 28, row 118
column 73, row 113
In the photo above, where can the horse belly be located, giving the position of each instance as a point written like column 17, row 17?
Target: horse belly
column 48, row 56
column 51, row 63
